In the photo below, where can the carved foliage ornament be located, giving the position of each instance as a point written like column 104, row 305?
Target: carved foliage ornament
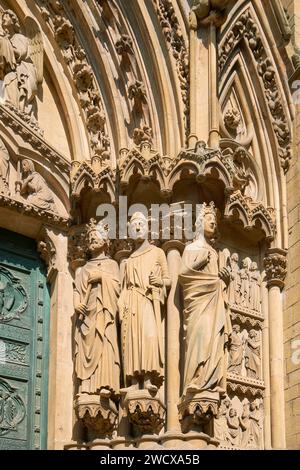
column 173, row 34
column 246, row 28
column 13, row 297
column 12, row 408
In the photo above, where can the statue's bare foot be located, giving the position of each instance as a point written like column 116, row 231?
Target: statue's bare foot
column 221, row 391
column 150, row 386
column 131, row 388
column 105, row 393
column 193, row 388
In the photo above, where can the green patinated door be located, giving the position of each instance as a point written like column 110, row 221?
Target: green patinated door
column 24, row 319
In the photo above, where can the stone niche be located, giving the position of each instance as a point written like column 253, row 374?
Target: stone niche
column 174, row 404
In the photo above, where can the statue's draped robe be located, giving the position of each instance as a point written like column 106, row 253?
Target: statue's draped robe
column 21, row 80
column 97, row 362
column 38, row 192
column 235, row 285
column 254, row 290
column 252, row 357
column 236, row 353
column 207, row 320
column 141, row 328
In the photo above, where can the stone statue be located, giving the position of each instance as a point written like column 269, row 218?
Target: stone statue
column 236, row 351
column 245, row 283
column 233, row 427
column 144, row 288
column 35, row 188
column 252, row 355
column 97, row 286
column 254, row 291
column 255, row 426
column 21, row 62
column 220, row 423
column 245, row 425
column 207, row 320
column 4, row 169
column 235, row 280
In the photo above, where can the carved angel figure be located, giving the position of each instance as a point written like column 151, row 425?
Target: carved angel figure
column 21, row 62
column 35, row 188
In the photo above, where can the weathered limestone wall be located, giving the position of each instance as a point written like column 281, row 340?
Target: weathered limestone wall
column 292, row 298
column 292, row 291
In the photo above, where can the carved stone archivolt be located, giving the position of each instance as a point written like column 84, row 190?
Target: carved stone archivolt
column 245, row 28
column 174, row 36
column 55, row 14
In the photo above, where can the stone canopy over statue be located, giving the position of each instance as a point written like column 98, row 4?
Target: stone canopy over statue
column 21, row 63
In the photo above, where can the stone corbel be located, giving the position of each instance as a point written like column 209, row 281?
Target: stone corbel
column 48, row 246
column 206, row 12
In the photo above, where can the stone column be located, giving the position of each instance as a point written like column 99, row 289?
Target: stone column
column 52, row 246
column 275, row 266
column 205, row 18
column 214, row 136
column 173, row 250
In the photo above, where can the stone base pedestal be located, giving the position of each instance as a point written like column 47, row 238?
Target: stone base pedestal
column 98, row 414
column 196, row 411
column 144, row 411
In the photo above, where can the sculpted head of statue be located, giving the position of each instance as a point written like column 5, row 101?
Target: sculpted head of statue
column 138, row 226
column 97, row 238
column 10, row 22
column 27, row 166
column 206, row 223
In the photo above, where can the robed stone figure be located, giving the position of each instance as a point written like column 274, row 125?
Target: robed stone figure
column 143, row 294
column 97, row 286
column 206, row 316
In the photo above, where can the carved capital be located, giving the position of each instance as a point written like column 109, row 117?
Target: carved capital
column 276, row 267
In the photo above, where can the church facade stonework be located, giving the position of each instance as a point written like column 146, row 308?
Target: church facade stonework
column 150, row 224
